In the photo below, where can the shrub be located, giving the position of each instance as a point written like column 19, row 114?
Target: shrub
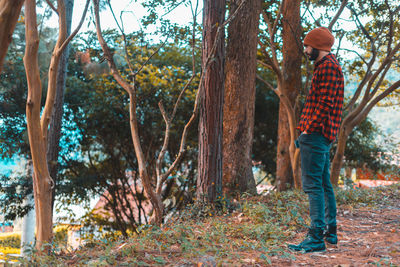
column 60, row 235
column 10, row 240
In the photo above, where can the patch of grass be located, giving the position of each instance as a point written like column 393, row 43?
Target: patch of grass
column 250, row 231
column 367, row 196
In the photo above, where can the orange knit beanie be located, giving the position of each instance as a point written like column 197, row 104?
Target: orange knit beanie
column 320, row 38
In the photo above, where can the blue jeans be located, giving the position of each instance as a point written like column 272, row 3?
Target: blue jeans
column 315, row 176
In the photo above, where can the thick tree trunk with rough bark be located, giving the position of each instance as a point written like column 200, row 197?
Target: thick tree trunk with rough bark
column 53, row 147
column 209, row 180
column 239, row 101
column 9, row 14
column 291, row 86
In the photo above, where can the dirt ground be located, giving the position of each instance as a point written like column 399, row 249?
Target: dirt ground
column 367, row 237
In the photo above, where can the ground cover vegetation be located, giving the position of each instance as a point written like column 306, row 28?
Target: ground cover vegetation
column 251, row 231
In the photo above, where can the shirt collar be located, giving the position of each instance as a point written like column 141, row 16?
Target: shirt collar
column 322, row 60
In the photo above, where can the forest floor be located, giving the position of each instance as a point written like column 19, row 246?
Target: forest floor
column 368, row 236
column 255, row 231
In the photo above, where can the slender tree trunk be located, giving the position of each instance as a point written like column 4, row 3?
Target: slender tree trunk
column 209, row 180
column 42, row 180
column 38, row 125
column 9, row 14
column 291, row 85
column 339, row 154
column 239, row 98
column 144, row 175
column 284, row 173
column 53, row 147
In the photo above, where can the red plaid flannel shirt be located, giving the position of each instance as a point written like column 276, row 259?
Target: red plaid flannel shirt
column 322, row 111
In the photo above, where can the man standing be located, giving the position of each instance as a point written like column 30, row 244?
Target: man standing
column 319, row 125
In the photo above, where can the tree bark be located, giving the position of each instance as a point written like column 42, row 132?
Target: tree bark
column 337, row 161
column 291, row 85
column 42, row 180
column 284, row 173
column 9, row 14
column 209, row 180
column 239, row 99
column 38, row 125
column 53, row 147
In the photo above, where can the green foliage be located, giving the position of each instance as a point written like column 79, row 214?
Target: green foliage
column 362, row 148
column 13, row 92
column 265, row 128
column 60, row 235
column 11, row 240
column 356, row 196
column 367, row 196
column 13, row 192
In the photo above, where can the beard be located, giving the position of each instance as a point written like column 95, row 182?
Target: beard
column 313, row 55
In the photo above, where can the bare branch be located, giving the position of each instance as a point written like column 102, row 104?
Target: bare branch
column 361, row 26
column 380, row 81
column 272, row 63
column 171, row 9
column 338, row 13
column 315, row 20
column 268, row 22
column 151, row 56
column 52, row 6
column 269, row 85
column 306, row 9
column 267, row 65
column 52, row 72
column 72, row 35
column 355, row 52
column 274, row 59
column 362, row 115
column 121, row 29
column 107, row 53
column 115, row 18
column 161, row 179
column 278, row 16
column 386, row 61
column 360, row 87
column 164, row 147
column 367, row 94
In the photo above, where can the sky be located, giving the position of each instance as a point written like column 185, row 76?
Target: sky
column 132, row 12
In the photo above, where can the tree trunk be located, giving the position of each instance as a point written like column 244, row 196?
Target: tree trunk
column 155, row 199
column 339, row 154
column 284, row 173
column 9, row 14
column 38, row 125
column 42, row 180
column 53, row 147
column 209, row 180
column 239, row 100
column 291, row 85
